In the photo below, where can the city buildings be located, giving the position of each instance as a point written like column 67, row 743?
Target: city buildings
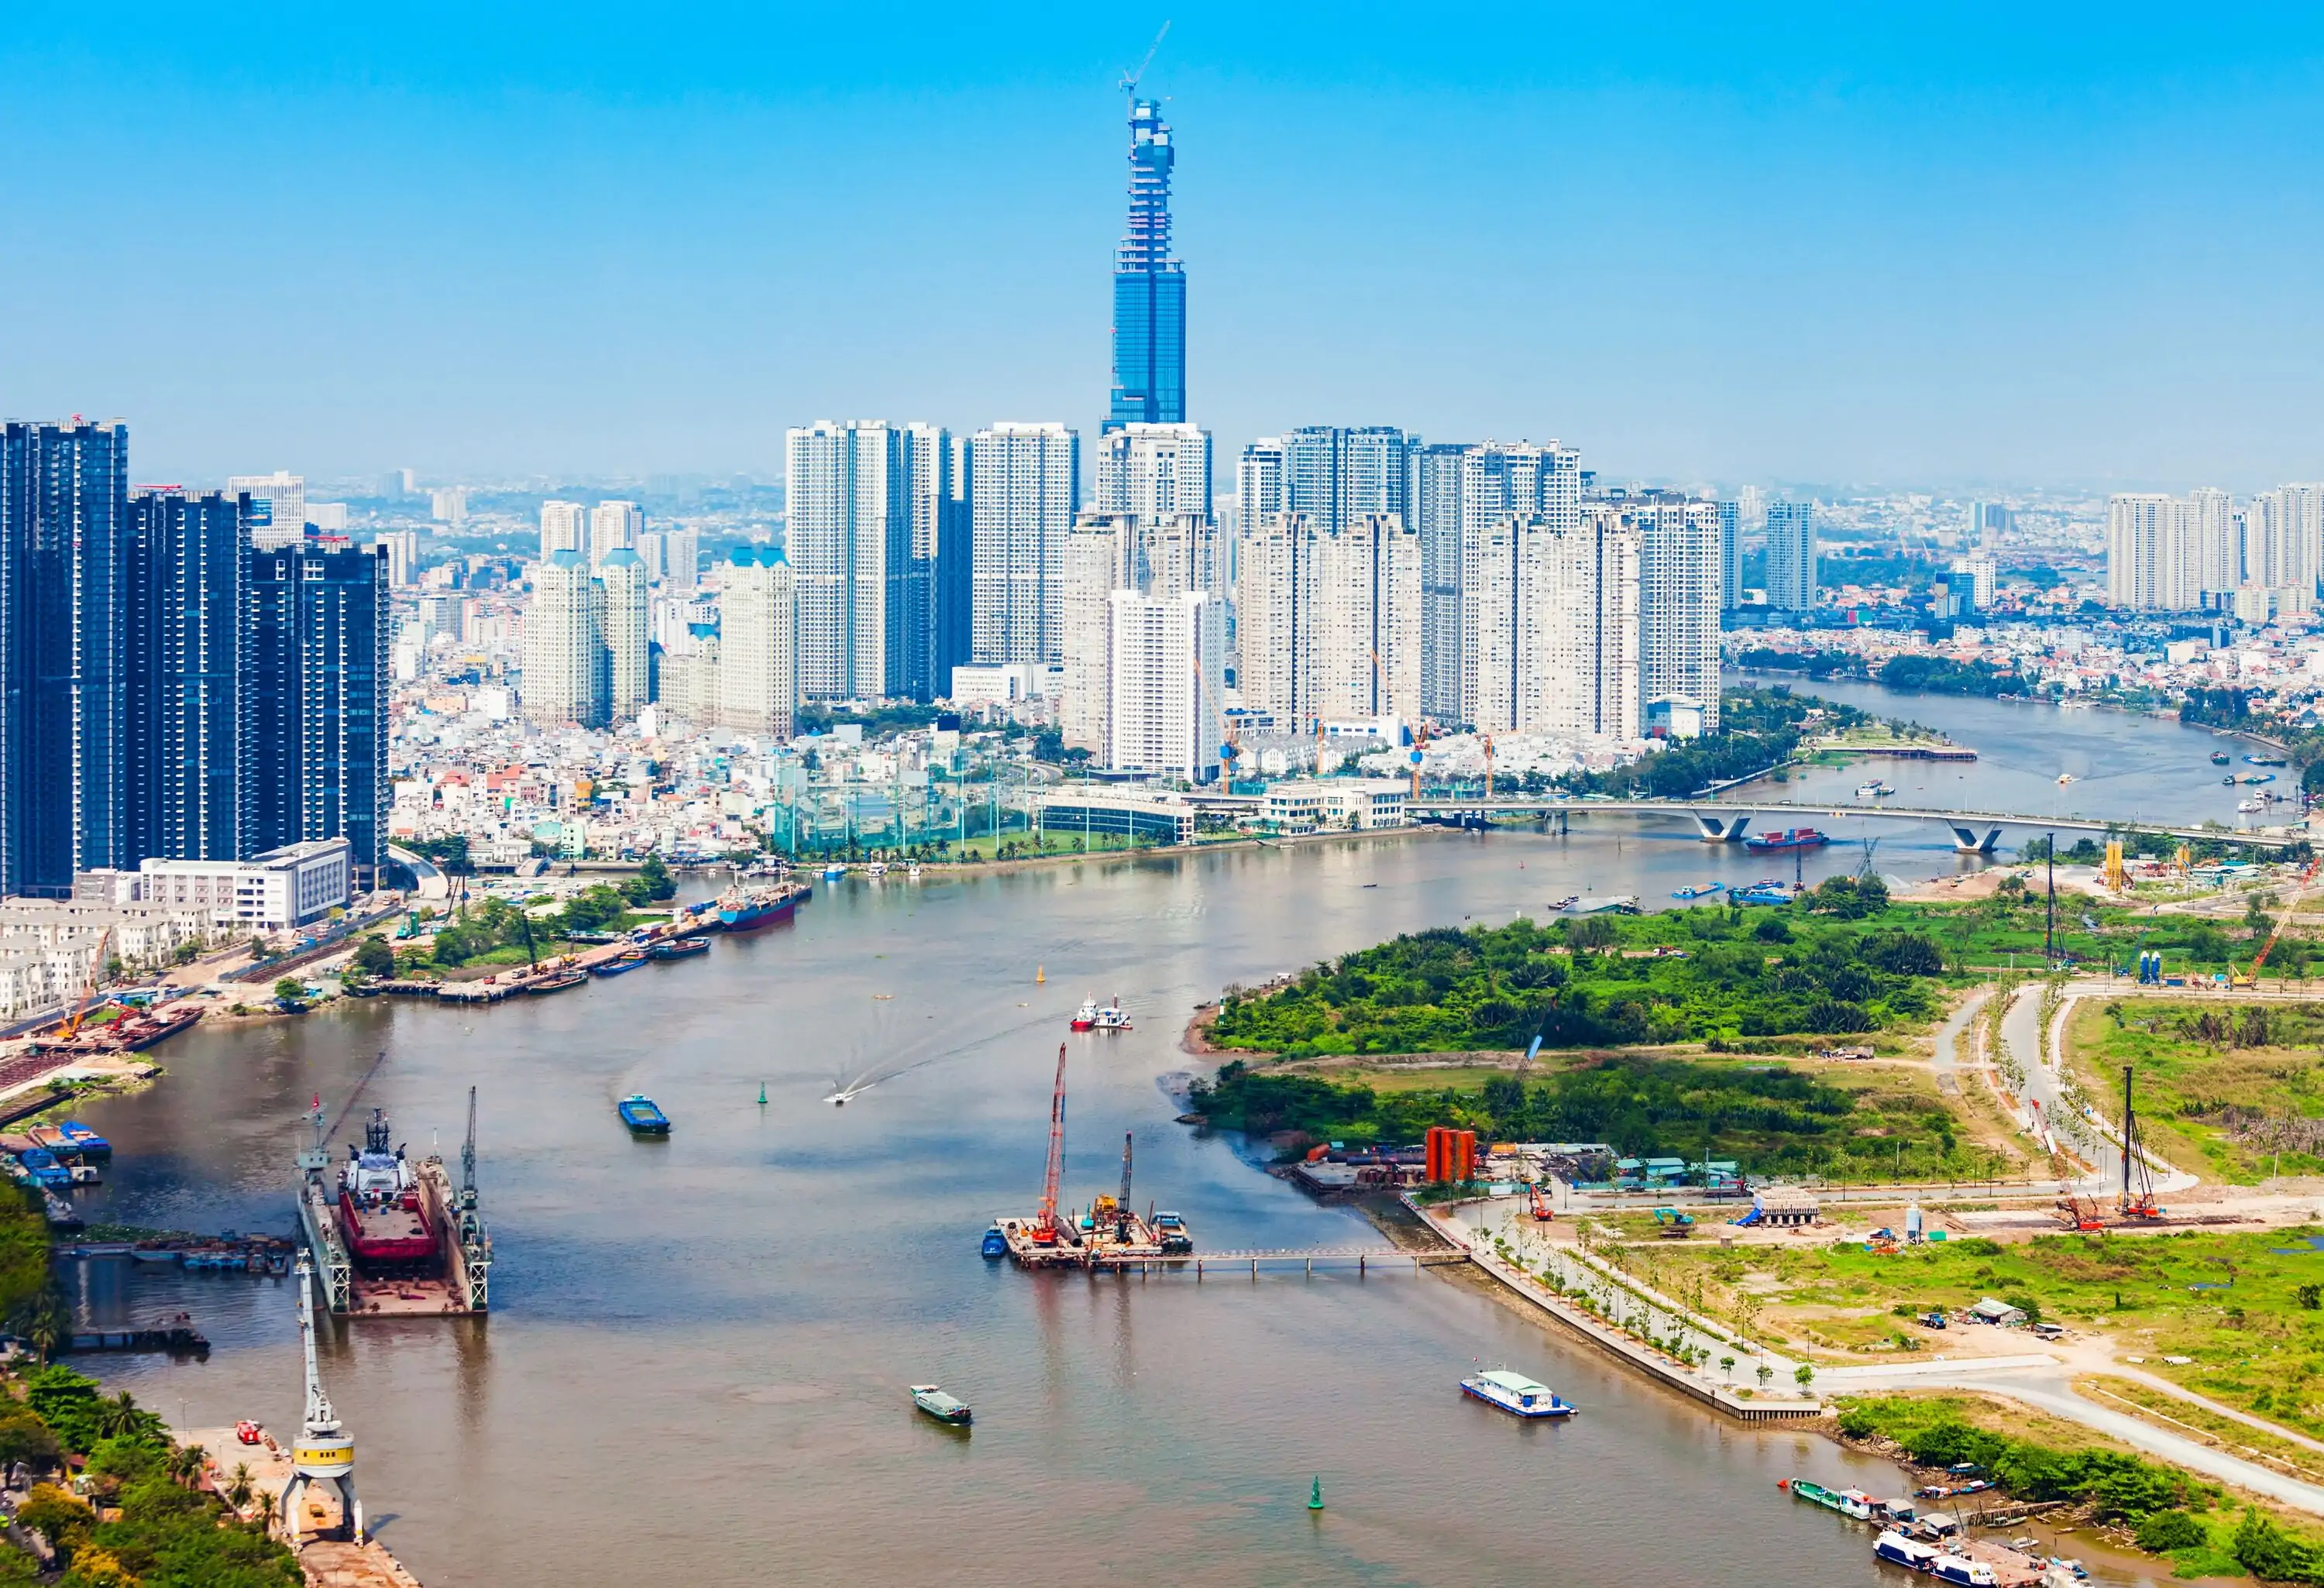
column 314, row 716
column 629, row 657
column 278, row 507
column 614, row 526
column 1730, row 556
column 293, row 886
column 1024, row 491
column 568, row 669
column 1550, row 630
column 564, row 527
column 1149, row 287
column 1330, row 621
column 1436, row 497
column 64, row 509
column 1679, row 602
column 184, row 671
column 1154, row 470
column 758, row 644
column 848, row 506
column 1165, row 674
column 1791, row 555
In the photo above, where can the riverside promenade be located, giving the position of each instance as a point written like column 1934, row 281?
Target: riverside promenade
column 1690, row 1348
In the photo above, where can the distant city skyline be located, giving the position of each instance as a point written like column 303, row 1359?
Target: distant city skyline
column 1823, row 249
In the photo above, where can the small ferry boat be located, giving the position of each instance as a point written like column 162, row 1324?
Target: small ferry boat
column 996, row 1244
column 1568, row 903
column 1900, row 1551
column 1954, row 1568
column 678, row 948
column 1698, row 891
column 638, row 1111
column 2264, row 760
column 2219, row 758
column 933, row 1401
column 1515, row 1394
column 563, row 982
column 42, row 1167
column 1789, row 838
column 876, row 870
column 1875, row 789
column 2249, row 807
column 620, row 964
column 913, row 870
column 832, row 873
column 1111, row 1018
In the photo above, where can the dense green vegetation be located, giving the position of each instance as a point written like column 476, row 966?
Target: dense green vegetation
column 1767, row 1117
column 2236, row 1094
column 2217, row 708
column 497, row 932
column 1678, row 975
column 168, row 1534
column 1758, row 729
column 1815, row 664
column 1933, row 1434
column 1937, row 675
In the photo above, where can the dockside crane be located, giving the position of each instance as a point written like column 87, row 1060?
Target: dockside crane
column 324, row 1455
column 1121, row 1207
column 1044, row 1228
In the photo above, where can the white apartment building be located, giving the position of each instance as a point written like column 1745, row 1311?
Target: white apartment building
column 1329, row 624
column 293, row 886
column 1790, row 555
column 629, row 654
column 564, row 527
column 614, row 526
column 1679, row 572
column 2283, row 537
column 2166, row 553
column 1154, row 471
column 681, row 558
column 402, row 548
column 566, row 663
column 758, row 644
column 1550, row 629
column 848, row 508
column 278, row 507
column 1026, row 494
column 1165, row 675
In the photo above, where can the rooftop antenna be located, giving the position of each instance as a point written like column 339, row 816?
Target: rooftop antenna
column 1129, row 79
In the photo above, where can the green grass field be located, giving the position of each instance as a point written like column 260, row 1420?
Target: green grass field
column 2229, row 1092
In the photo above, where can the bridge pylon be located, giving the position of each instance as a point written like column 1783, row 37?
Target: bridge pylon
column 1726, row 827
column 1966, row 840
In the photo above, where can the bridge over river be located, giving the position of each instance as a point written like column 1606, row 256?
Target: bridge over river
column 1974, row 832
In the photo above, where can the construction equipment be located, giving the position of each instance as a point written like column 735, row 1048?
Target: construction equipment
column 1419, row 750
column 2116, row 883
column 1044, row 1222
column 1541, row 1208
column 1121, row 1207
column 2250, row 978
column 2137, row 1179
column 81, row 1005
column 1674, row 1225
column 2080, row 1213
column 1487, row 741
column 1129, row 78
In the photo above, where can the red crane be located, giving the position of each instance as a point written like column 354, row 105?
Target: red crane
column 1044, row 1228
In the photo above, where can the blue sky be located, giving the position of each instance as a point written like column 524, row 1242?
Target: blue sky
column 1801, row 243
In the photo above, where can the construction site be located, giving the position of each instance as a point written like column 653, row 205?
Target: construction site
column 1111, row 1232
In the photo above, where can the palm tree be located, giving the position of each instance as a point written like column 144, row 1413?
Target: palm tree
column 43, row 1337
column 118, row 1415
column 238, row 1490
column 185, row 1465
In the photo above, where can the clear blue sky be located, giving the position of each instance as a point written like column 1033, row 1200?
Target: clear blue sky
column 1779, row 243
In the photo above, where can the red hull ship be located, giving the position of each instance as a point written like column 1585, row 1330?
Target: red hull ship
column 380, row 1215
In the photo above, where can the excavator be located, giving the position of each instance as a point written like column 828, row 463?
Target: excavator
column 1541, row 1208
column 82, row 1006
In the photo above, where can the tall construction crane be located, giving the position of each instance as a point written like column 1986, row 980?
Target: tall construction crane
column 81, row 1005
column 1129, row 78
column 1044, row 1224
column 1122, row 1208
column 1487, row 741
column 2250, row 978
column 1419, row 753
column 323, row 1453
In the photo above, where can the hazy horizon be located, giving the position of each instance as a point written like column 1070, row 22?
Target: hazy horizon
column 2074, row 252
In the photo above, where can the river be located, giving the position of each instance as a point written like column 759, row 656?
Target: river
column 694, row 1366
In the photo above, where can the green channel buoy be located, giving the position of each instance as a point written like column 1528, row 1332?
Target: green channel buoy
column 1315, row 1494
column 763, row 1094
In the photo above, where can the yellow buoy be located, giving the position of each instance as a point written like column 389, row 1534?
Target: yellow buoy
column 1040, row 974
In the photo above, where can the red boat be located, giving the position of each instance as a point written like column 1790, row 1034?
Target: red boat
column 1789, row 838
column 380, row 1212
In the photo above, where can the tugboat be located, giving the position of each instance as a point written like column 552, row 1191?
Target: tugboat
column 1086, row 1016
column 380, row 1212
column 996, row 1244
column 643, row 1118
column 1515, row 1394
column 933, row 1401
column 2219, row 758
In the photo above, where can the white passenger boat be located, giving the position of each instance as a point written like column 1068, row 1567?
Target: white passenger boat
column 1898, row 1550
column 1954, row 1568
column 1515, row 1394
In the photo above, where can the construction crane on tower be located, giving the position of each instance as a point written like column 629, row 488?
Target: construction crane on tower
column 1129, row 79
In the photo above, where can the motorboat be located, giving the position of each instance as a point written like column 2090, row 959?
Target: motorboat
column 644, row 1117
column 1515, row 1394
column 935, row 1403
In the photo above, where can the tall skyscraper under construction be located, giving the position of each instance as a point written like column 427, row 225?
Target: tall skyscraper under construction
column 1149, row 287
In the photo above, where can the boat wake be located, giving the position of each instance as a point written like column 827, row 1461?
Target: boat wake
column 901, row 1061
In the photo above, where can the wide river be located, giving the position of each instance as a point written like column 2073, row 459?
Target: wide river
column 695, row 1367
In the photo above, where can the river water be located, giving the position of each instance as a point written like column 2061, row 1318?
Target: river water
column 694, row 1366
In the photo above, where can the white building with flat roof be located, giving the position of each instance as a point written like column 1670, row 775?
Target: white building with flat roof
column 292, row 886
